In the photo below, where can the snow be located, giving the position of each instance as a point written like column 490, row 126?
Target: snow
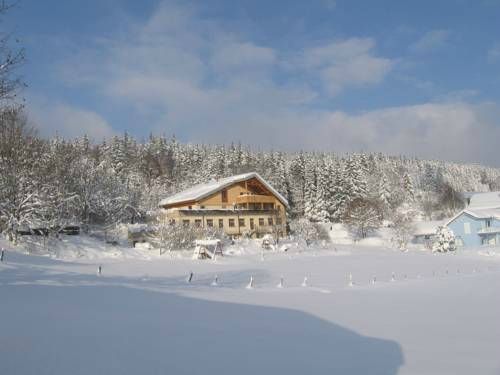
column 207, row 242
column 200, row 191
column 479, row 213
column 427, row 227
column 439, row 315
column 484, row 213
column 485, row 200
column 339, row 234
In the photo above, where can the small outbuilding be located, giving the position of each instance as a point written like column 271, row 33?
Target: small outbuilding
column 425, row 232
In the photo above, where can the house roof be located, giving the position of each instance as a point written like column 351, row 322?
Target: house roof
column 481, row 206
column 201, row 191
column 485, row 200
column 479, row 213
column 484, row 213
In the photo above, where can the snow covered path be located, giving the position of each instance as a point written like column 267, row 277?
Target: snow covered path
column 440, row 316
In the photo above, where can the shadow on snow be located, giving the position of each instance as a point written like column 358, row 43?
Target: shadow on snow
column 112, row 329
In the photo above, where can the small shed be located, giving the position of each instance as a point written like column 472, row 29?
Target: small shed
column 425, row 232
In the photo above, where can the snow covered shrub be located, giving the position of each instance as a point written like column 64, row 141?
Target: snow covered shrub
column 363, row 217
column 445, row 240
column 307, row 231
column 402, row 228
column 167, row 236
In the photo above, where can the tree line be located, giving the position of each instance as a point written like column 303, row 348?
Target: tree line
column 54, row 182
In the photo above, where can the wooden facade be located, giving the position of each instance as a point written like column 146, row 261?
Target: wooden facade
column 249, row 206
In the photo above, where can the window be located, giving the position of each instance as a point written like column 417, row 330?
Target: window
column 278, row 221
column 190, row 207
column 251, row 224
column 467, row 228
column 241, row 222
column 261, row 221
column 270, row 221
column 202, row 207
column 231, row 223
column 185, row 222
column 223, row 194
column 221, row 223
column 197, row 223
column 268, row 206
column 172, row 222
column 488, row 223
column 210, row 223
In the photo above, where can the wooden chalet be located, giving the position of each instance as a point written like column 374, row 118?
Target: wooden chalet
column 242, row 204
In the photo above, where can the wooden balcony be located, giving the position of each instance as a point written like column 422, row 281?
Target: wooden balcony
column 254, row 198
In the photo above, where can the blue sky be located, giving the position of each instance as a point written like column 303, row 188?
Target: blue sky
column 420, row 78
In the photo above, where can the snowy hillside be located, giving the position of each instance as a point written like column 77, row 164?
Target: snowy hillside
column 60, row 182
column 406, row 313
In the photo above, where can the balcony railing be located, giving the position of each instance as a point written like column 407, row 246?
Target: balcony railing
column 254, row 198
column 489, row 230
column 228, row 211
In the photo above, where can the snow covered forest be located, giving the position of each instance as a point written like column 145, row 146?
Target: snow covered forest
column 55, row 182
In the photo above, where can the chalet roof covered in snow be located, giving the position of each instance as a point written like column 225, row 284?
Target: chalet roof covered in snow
column 485, row 200
column 204, row 190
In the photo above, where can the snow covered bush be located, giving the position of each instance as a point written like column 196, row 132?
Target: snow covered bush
column 167, row 236
column 445, row 240
column 403, row 227
column 307, row 231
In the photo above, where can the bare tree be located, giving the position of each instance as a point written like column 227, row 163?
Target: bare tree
column 403, row 228
column 11, row 57
column 363, row 216
column 18, row 164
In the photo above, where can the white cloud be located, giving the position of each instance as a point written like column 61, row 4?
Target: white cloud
column 450, row 131
column 213, row 86
column 347, row 63
column 445, row 131
column 238, row 55
column 67, row 121
column 330, row 4
column 430, row 41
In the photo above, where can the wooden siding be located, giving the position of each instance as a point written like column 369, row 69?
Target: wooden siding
column 250, row 191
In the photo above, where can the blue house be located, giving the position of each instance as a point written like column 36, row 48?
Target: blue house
column 479, row 223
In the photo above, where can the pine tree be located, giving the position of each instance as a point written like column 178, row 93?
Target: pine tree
column 310, row 194
column 322, row 194
column 408, row 187
column 445, row 240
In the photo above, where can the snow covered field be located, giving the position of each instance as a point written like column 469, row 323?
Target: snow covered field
column 140, row 316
